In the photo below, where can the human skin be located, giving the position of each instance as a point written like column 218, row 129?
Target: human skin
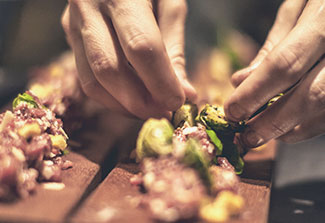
column 291, row 61
column 130, row 54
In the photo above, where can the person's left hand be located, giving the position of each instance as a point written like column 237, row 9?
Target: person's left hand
column 130, row 54
column 291, row 61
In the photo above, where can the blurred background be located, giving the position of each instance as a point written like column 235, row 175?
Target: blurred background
column 31, row 34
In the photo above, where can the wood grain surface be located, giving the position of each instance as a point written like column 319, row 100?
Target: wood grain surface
column 51, row 205
column 115, row 199
column 102, row 147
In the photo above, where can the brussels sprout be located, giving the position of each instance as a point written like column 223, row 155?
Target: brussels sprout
column 24, row 98
column 215, row 140
column 214, row 118
column 155, row 138
column 232, row 154
column 186, row 113
column 195, row 158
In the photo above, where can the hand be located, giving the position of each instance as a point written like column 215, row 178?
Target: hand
column 291, row 61
column 128, row 57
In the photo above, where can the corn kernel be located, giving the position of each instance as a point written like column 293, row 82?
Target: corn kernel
column 58, row 141
column 225, row 204
column 56, row 71
column 29, row 130
column 210, row 213
column 232, row 202
column 41, row 91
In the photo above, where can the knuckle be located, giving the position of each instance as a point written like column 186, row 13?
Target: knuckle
column 76, row 2
column 277, row 129
column 285, row 63
column 179, row 7
column 142, row 45
column 90, row 88
column 286, row 7
column 317, row 95
column 267, row 47
column 102, row 66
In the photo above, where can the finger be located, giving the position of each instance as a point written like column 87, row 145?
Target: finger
column 65, row 22
column 88, row 82
column 286, row 19
column 293, row 109
column 142, row 44
column 280, row 69
column 171, row 21
column 308, row 129
column 110, row 68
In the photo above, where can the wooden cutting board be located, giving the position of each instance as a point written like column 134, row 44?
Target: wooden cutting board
column 115, row 199
column 91, row 196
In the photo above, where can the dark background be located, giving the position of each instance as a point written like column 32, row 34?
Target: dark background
column 31, row 34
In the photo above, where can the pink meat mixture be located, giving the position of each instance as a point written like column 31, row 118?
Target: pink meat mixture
column 24, row 161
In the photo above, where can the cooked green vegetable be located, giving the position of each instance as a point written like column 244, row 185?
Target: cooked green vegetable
column 214, row 118
column 155, row 138
column 195, row 158
column 186, row 113
column 215, row 140
column 232, row 154
column 24, row 98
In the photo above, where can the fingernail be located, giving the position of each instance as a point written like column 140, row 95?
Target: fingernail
column 252, row 139
column 236, row 112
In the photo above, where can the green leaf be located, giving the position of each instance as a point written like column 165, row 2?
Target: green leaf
column 215, row 140
column 24, row 98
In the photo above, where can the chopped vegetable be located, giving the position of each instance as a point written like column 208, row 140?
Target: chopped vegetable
column 58, row 141
column 24, row 98
column 29, row 130
column 186, row 113
column 215, row 140
column 155, row 138
column 195, row 158
column 214, row 118
column 222, row 208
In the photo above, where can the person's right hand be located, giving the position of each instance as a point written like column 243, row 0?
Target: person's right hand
column 130, row 53
column 292, row 61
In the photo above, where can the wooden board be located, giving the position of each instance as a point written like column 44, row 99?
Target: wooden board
column 103, row 140
column 51, row 205
column 93, row 157
column 115, row 199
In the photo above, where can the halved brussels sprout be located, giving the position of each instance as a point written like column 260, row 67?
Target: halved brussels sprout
column 155, row 138
column 195, row 158
column 186, row 113
column 214, row 118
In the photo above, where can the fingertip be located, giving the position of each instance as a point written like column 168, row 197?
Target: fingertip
column 238, row 77
column 234, row 111
column 174, row 102
column 251, row 139
column 190, row 92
